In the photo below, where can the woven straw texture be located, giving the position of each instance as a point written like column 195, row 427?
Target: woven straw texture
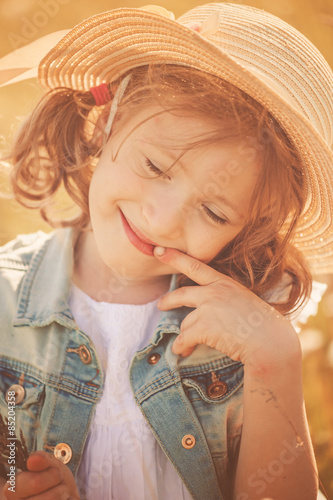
column 254, row 50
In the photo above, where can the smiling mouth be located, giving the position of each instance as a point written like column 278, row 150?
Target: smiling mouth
column 137, row 239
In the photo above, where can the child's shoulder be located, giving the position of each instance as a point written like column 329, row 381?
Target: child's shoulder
column 30, row 263
column 34, row 274
column 18, row 252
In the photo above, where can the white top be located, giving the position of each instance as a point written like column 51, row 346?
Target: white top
column 122, row 459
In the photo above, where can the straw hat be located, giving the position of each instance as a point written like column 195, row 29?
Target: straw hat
column 254, row 50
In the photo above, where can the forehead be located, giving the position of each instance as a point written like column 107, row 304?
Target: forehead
column 183, row 134
column 173, row 124
column 176, row 127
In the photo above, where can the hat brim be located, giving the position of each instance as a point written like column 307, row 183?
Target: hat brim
column 22, row 63
column 108, row 45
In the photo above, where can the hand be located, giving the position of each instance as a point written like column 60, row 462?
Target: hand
column 47, row 478
column 227, row 315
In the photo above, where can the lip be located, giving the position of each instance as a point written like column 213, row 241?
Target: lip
column 137, row 239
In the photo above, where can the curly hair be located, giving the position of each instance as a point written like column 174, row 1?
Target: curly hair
column 56, row 147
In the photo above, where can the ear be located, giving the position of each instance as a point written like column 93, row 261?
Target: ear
column 98, row 135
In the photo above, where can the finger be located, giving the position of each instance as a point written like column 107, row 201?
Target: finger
column 187, row 323
column 60, row 492
column 190, row 335
column 187, row 352
column 184, row 344
column 29, row 484
column 40, row 460
column 197, row 271
column 188, row 296
column 190, row 320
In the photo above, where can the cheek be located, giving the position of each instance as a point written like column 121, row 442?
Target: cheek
column 200, row 249
column 93, row 191
column 206, row 245
column 98, row 191
column 107, row 180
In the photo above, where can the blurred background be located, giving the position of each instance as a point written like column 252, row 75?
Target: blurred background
column 22, row 22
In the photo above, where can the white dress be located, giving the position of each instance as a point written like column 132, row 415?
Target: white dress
column 122, row 459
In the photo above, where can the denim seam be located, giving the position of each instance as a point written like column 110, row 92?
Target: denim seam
column 69, row 381
column 74, row 392
column 37, row 420
column 14, row 364
column 155, row 386
column 55, row 403
column 211, row 366
column 201, row 372
column 27, row 292
column 83, row 441
column 46, row 378
column 32, row 322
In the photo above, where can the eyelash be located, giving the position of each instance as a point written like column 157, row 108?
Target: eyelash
column 155, row 169
column 210, row 214
column 213, row 216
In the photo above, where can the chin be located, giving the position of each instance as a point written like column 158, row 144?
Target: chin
column 134, row 267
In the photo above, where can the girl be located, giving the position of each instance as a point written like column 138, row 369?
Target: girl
column 148, row 344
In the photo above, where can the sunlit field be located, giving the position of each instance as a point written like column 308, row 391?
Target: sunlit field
column 24, row 21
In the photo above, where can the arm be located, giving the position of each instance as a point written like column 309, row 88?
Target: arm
column 275, row 457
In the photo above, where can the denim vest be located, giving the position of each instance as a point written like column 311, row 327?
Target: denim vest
column 193, row 405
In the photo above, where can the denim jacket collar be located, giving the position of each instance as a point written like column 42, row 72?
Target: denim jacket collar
column 52, row 263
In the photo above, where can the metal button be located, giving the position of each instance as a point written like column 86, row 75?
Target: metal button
column 19, row 393
column 153, row 358
column 63, row 452
column 188, row 441
column 84, row 354
column 217, row 389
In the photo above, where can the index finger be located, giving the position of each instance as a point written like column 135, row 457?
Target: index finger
column 193, row 268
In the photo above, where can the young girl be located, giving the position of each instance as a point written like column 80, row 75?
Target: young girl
column 147, row 346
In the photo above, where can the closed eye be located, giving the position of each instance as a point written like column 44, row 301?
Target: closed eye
column 156, row 170
column 213, row 216
column 159, row 173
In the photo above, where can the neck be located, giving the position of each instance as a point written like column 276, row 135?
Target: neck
column 104, row 284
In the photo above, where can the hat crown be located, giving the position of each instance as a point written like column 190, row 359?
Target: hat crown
column 276, row 53
column 254, row 50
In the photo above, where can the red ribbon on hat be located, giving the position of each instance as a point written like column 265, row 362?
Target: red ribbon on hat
column 101, row 94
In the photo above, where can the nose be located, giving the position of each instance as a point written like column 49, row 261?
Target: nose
column 164, row 215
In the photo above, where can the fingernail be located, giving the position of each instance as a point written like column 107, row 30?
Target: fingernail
column 159, row 251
